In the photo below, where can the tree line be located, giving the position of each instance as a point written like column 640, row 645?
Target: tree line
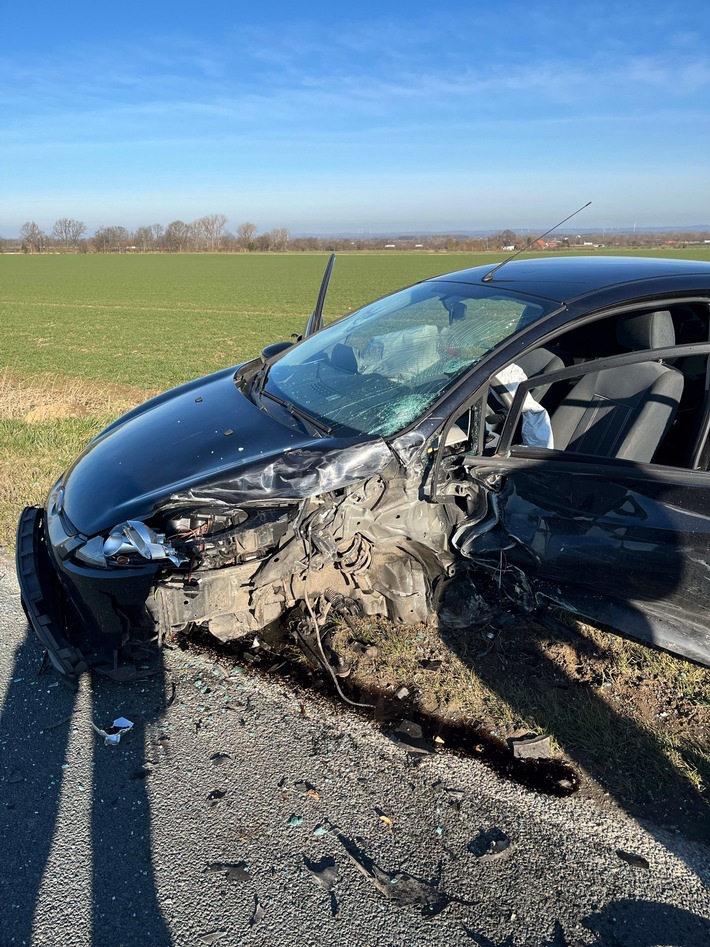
column 209, row 234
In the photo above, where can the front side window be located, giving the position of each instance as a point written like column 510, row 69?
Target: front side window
column 378, row 370
column 632, row 387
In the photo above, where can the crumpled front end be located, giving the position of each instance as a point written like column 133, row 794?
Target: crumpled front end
column 235, row 555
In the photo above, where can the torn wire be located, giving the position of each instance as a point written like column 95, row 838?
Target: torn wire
column 316, row 630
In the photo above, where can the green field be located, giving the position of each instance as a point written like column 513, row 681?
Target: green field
column 153, row 321
column 156, row 320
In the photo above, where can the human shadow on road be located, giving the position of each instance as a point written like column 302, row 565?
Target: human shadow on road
column 54, row 819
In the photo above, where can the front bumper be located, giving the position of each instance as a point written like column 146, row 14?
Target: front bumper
column 43, row 597
column 84, row 617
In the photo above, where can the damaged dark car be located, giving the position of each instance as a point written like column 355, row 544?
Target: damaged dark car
column 545, row 424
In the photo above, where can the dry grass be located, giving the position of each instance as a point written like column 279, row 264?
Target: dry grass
column 48, row 397
column 635, row 720
column 45, row 421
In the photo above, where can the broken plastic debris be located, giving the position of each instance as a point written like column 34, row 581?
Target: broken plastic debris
column 112, row 735
column 535, row 747
column 302, row 786
column 295, row 820
column 490, row 845
column 212, row 936
column 217, row 759
column 636, row 861
column 400, row 887
column 456, row 797
column 410, row 736
column 258, row 914
column 323, row 872
column 325, row 875
column 230, row 871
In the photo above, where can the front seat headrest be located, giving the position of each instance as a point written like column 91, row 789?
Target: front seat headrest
column 646, row 330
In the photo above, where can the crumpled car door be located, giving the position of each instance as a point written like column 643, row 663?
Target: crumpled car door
column 620, row 543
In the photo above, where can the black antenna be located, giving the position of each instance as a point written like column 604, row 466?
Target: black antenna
column 489, row 276
column 315, row 321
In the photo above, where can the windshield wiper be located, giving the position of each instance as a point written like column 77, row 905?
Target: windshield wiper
column 298, row 413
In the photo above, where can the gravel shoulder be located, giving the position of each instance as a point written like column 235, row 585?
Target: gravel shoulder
column 237, row 809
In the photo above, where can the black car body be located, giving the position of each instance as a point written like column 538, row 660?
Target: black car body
column 547, row 423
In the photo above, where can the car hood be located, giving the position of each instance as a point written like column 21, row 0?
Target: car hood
column 204, row 441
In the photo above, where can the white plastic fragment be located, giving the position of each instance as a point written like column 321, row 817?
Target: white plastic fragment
column 112, row 735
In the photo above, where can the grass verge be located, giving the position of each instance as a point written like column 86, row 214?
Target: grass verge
column 45, row 421
column 634, row 720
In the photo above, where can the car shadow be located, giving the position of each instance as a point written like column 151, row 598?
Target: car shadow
column 76, row 819
column 551, row 676
column 619, row 548
column 627, row 923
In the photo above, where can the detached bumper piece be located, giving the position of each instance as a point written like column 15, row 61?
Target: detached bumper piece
column 43, row 598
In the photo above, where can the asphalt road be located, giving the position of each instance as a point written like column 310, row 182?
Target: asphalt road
column 237, row 813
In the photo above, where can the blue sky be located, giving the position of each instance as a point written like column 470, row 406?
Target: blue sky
column 370, row 117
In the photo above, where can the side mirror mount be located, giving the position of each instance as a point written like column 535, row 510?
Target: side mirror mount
column 276, row 348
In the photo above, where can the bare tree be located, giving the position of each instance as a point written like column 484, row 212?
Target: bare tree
column 279, row 238
column 111, row 239
column 158, row 231
column 144, row 238
column 506, row 238
column 245, row 234
column 177, row 234
column 68, row 232
column 197, row 234
column 32, row 237
column 212, row 228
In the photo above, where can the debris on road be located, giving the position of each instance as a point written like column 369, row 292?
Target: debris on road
column 399, row 887
column 631, row 858
column 211, row 937
column 411, row 737
column 230, row 871
column 112, row 735
column 534, row 747
column 325, row 875
column 259, row 913
column 491, row 845
column 217, row 759
column 323, row 872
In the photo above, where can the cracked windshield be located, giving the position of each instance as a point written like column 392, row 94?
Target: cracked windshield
column 379, row 370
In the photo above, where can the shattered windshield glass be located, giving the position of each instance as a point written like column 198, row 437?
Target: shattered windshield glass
column 378, row 370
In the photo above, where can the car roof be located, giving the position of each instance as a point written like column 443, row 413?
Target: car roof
column 563, row 279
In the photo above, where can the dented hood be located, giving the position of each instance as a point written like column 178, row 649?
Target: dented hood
column 204, row 433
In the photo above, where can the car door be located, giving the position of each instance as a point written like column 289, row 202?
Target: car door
column 618, row 541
